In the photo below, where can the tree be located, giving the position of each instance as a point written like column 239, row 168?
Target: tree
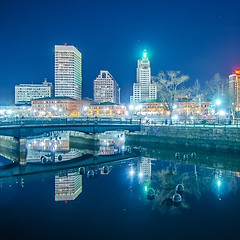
column 216, row 87
column 196, row 95
column 168, row 88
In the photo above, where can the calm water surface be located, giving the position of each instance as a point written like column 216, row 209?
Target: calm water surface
column 114, row 202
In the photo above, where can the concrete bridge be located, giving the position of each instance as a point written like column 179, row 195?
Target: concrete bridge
column 26, row 127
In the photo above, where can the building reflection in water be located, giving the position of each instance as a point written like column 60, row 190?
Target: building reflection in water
column 68, row 185
column 56, row 146
column 53, row 148
column 9, row 148
column 144, row 169
column 52, row 141
column 111, row 142
column 59, row 146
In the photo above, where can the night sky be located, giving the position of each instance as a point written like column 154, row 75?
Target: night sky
column 199, row 38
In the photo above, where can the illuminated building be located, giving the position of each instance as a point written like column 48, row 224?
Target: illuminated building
column 143, row 89
column 153, row 108
column 68, row 72
column 234, row 89
column 15, row 111
column 185, row 108
column 24, row 93
column 106, row 89
column 56, row 106
column 68, row 185
column 106, row 109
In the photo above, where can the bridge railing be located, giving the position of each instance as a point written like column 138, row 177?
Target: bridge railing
column 84, row 120
column 67, row 121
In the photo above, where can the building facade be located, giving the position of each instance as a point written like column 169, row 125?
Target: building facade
column 106, row 89
column 24, row 93
column 234, row 89
column 68, row 72
column 106, row 109
column 56, row 106
column 143, row 89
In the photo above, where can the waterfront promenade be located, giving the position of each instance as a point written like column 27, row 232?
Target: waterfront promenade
column 210, row 137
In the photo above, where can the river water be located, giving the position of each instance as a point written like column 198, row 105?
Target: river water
column 158, row 194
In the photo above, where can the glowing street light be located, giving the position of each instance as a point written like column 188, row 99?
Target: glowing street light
column 140, row 174
column 222, row 113
column 218, row 102
column 131, row 172
column 175, row 117
column 131, row 107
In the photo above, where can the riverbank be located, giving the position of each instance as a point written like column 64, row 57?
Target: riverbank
column 213, row 138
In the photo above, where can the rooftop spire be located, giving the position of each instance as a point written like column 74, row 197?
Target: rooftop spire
column 145, row 55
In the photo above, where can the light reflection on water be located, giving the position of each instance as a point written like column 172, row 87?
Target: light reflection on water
column 115, row 197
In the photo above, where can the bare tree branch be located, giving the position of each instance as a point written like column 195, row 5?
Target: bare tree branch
column 168, row 87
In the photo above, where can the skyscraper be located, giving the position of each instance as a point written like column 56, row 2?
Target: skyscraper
column 68, row 72
column 106, row 89
column 143, row 89
column 234, row 89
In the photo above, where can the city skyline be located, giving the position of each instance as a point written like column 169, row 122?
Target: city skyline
column 199, row 39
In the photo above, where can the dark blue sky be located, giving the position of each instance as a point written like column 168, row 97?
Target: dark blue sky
column 199, row 38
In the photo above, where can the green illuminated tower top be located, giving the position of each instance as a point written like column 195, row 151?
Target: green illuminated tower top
column 145, row 55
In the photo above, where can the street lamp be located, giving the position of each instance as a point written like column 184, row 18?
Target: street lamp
column 131, row 107
column 85, row 110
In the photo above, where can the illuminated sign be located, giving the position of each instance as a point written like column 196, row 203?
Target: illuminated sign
column 237, row 71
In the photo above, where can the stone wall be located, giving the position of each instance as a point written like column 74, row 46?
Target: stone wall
column 219, row 137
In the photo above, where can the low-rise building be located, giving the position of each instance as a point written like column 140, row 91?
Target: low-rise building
column 24, row 93
column 184, row 108
column 106, row 109
column 57, row 106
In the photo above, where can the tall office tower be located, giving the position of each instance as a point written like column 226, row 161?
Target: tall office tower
column 106, row 89
column 143, row 89
column 68, row 72
column 24, row 93
column 234, row 89
column 68, row 185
